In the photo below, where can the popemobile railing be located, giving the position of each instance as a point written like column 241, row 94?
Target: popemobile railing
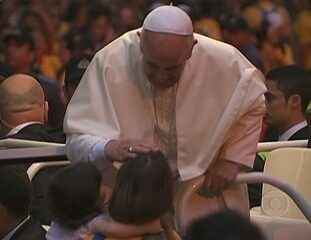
column 24, row 151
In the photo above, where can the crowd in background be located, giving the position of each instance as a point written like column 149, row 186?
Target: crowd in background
column 42, row 38
column 269, row 33
column 39, row 37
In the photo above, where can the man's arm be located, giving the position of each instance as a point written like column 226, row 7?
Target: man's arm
column 101, row 151
column 110, row 228
column 238, row 151
column 118, row 150
column 82, row 147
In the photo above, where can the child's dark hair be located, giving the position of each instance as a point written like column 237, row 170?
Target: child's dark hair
column 224, row 225
column 143, row 191
column 74, row 194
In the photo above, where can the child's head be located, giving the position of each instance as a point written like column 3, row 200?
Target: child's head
column 143, row 190
column 74, row 194
column 221, row 225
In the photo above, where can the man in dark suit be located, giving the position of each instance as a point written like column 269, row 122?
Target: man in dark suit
column 23, row 109
column 23, row 113
column 287, row 99
column 15, row 198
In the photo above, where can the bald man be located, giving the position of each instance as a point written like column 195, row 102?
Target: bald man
column 23, row 109
column 163, row 87
column 23, row 112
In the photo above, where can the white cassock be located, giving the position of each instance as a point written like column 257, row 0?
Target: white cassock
column 219, row 105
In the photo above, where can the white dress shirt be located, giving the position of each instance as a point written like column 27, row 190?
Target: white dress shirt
column 19, row 127
column 10, row 234
column 290, row 132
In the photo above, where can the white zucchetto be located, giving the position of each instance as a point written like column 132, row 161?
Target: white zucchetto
column 168, row 19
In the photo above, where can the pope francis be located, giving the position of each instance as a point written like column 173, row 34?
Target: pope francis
column 164, row 87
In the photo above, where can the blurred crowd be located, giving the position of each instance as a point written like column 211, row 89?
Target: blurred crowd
column 39, row 37
column 269, row 33
column 51, row 42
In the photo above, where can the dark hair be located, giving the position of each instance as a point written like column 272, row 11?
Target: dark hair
column 225, row 225
column 15, row 190
column 143, row 190
column 21, row 36
column 234, row 23
column 74, row 194
column 291, row 79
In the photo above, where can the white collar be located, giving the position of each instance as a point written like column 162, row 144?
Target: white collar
column 10, row 234
column 19, row 127
column 290, row 132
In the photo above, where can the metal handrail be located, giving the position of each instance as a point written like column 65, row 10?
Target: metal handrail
column 269, row 146
column 33, row 154
column 297, row 197
column 256, row 177
column 23, row 151
column 21, row 143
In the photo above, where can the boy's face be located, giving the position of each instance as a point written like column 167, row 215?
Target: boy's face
column 278, row 112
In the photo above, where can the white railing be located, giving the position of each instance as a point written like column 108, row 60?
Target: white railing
column 19, row 143
column 26, row 151
column 255, row 177
column 58, row 151
column 269, row 146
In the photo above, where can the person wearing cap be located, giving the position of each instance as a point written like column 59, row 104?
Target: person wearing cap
column 163, row 87
column 74, row 71
column 75, row 42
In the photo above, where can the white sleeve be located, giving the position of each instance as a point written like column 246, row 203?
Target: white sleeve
column 84, row 147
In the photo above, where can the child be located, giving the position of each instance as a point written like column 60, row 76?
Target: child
column 74, row 196
column 143, row 193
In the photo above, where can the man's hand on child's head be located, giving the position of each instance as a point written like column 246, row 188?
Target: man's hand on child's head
column 119, row 150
